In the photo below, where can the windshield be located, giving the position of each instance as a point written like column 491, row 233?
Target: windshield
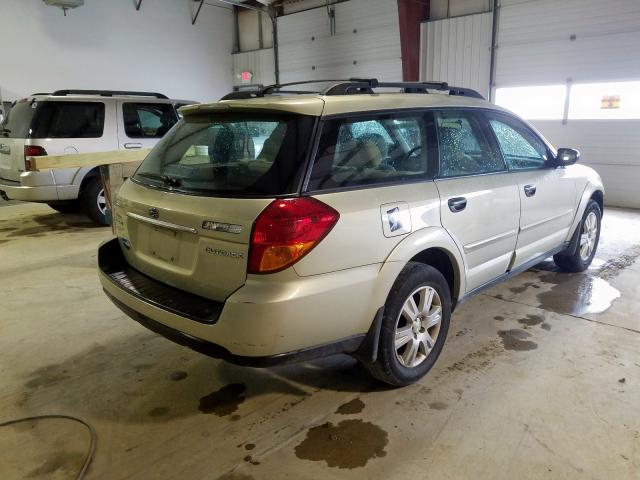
column 17, row 123
column 248, row 154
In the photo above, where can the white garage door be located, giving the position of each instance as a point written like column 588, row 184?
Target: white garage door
column 586, row 52
column 365, row 42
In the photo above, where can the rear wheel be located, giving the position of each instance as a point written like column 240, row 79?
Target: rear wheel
column 414, row 326
column 94, row 201
column 70, row 206
column 580, row 260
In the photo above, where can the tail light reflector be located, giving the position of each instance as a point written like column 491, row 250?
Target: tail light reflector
column 286, row 231
column 29, row 152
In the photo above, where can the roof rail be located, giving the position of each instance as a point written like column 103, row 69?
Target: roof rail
column 40, row 93
column 354, row 86
column 108, row 93
column 363, row 85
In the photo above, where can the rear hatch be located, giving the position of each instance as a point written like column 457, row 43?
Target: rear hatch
column 14, row 130
column 185, row 217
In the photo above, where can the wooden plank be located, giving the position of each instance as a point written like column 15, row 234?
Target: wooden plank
column 80, row 160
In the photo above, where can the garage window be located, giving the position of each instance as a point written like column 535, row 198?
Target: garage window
column 602, row 101
column 543, row 102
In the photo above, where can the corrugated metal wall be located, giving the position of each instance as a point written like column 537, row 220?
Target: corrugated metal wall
column 366, row 42
column 547, row 41
column 259, row 62
column 458, row 51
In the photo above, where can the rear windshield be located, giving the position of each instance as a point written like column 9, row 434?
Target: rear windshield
column 18, row 121
column 249, row 154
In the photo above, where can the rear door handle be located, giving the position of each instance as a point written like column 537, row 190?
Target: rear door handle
column 529, row 190
column 457, row 204
column 132, row 145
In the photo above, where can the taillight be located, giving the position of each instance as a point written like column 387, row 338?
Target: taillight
column 32, row 151
column 286, row 231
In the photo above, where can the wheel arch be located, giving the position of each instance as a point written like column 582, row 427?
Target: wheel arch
column 431, row 246
column 598, row 196
column 445, row 263
column 90, row 175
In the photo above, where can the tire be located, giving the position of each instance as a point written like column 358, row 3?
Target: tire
column 70, row 206
column 93, row 203
column 589, row 236
column 395, row 367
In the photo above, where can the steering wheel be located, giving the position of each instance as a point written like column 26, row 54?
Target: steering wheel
column 407, row 155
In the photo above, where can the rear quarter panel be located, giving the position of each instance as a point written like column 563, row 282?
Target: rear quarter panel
column 358, row 239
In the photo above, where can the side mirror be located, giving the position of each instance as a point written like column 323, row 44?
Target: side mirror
column 567, row 156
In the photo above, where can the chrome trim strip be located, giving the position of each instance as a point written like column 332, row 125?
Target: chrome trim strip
column 545, row 220
column 482, row 243
column 160, row 223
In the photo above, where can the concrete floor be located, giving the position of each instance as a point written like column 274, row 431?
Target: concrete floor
column 540, row 378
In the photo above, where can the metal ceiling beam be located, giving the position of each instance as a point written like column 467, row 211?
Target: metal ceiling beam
column 194, row 16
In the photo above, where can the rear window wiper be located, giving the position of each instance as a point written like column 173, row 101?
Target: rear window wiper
column 166, row 179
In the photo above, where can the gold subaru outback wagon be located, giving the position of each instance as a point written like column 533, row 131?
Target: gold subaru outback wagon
column 281, row 226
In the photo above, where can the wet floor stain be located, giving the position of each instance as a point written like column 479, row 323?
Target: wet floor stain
column 438, row 406
column 577, row 294
column 47, row 376
column 531, row 319
column 225, row 401
column 158, row 411
column 59, row 465
column 613, row 267
column 522, row 288
column 178, row 375
column 251, row 460
column 475, row 361
column 349, row 444
column 351, row 408
column 516, row 339
column 499, row 318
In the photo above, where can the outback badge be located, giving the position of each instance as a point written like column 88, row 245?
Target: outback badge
column 153, row 212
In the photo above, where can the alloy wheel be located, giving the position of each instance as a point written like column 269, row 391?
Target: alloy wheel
column 418, row 326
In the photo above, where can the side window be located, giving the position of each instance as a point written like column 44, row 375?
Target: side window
column 387, row 148
column 69, row 120
column 148, row 120
column 520, row 147
column 464, row 148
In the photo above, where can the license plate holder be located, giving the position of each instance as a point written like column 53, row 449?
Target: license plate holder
column 164, row 244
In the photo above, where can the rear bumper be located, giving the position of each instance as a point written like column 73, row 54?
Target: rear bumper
column 349, row 345
column 17, row 191
column 270, row 320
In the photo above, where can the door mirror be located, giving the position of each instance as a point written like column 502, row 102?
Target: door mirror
column 567, row 156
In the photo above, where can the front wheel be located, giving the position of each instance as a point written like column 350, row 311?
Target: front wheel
column 581, row 258
column 94, row 201
column 414, row 326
